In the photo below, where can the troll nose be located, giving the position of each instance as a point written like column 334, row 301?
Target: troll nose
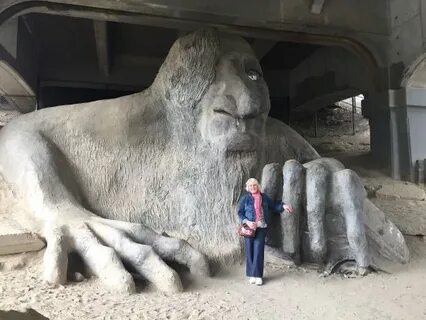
column 240, row 124
column 244, row 102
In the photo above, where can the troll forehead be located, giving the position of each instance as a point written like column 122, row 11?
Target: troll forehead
column 190, row 67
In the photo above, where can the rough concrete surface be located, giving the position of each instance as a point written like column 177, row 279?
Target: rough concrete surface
column 408, row 215
column 401, row 190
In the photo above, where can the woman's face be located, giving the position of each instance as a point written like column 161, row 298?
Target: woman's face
column 252, row 187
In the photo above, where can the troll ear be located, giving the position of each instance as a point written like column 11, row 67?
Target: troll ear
column 189, row 68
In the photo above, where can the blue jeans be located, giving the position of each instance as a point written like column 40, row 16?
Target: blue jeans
column 255, row 248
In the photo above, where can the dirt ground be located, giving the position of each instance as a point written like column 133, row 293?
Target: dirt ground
column 288, row 292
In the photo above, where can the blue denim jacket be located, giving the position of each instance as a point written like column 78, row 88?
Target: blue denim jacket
column 246, row 208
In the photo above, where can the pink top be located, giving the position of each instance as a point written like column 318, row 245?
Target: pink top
column 257, row 205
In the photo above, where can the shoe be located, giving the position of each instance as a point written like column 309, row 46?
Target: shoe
column 363, row 271
column 252, row 280
column 258, row 281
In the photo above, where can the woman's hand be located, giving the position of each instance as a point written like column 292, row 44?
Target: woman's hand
column 251, row 224
column 288, row 209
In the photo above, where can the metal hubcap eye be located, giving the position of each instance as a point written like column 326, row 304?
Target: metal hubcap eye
column 253, row 75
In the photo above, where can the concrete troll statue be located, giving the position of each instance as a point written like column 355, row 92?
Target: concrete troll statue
column 156, row 176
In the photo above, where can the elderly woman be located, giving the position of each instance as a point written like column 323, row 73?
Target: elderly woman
column 254, row 210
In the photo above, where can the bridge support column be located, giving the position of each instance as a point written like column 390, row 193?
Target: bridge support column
column 398, row 129
column 376, row 108
column 416, row 126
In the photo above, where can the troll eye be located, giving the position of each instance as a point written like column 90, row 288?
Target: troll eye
column 253, row 75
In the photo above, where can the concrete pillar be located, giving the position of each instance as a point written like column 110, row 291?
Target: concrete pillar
column 416, row 125
column 376, row 109
column 400, row 149
column 398, row 130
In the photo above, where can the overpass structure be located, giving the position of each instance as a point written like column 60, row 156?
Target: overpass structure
column 313, row 53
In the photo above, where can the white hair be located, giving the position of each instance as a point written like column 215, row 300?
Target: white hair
column 253, row 180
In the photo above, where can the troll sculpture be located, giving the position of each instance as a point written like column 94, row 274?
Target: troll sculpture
column 156, row 176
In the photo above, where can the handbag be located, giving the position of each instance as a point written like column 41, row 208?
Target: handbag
column 245, row 231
